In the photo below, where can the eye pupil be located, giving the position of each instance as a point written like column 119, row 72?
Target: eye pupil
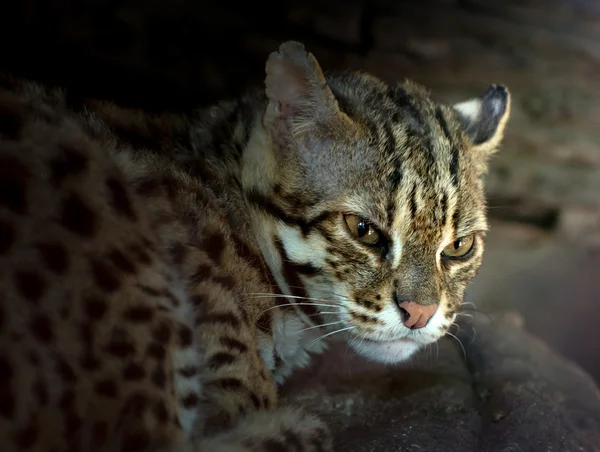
column 363, row 228
column 457, row 244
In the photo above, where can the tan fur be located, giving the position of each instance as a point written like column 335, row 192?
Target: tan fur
column 161, row 273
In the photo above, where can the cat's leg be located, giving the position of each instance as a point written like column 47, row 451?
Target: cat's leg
column 286, row 429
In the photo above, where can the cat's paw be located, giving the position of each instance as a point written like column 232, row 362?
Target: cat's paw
column 286, row 429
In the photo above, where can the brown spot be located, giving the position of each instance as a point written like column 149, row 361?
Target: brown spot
column 214, row 245
column 234, row 344
column 7, row 398
column 28, row 436
column 162, row 333
column 95, row 308
column 139, row 314
column 30, row 285
column 73, row 424
column 368, row 304
column 140, row 254
column 228, row 383
column 77, row 217
column 188, row 372
column 13, row 181
column 190, row 401
column 159, row 377
column 136, row 404
column 150, row 290
column 198, row 299
column 161, row 412
column 54, row 256
column 89, row 362
column 65, row 372
column 69, row 163
column 99, row 433
column 40, row 389
column 227, row 318
column 186, row 337
column 177, row 252
column 66, row 401
column 86, row 333
column 133, row 372
column 220, row 359
column 7, row 237
column 227, row 281
column 104, row 277
column 363, row 318
column 120, row 344
column 255, row 400
column 33, row 358
column 106, row 388
column 266, row 403
column 156, row 351
column 120, row 199
column 202, row 273
column 41, row 328
column 121, row 261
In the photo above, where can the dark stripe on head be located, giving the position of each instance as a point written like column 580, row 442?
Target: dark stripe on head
column 412, row 202
column 290, row 274
column 454, row 162
column 444, row 207
column 406, row 110
column 394, row 179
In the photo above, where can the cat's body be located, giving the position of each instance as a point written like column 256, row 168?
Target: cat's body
column 160, row 274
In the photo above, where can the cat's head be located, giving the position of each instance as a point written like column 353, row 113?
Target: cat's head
column 379, row 196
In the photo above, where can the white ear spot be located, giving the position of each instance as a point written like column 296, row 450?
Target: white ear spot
column 470, row 109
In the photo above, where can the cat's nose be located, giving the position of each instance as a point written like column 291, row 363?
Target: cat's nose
column 416, row 315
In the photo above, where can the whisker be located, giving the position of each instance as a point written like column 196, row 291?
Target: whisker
column 319, row 326
column 295, row 304
column 311, row 315
column 329, row 334
column 459, row 343
column 325, row 292
column 475, row 311
column 261, row 295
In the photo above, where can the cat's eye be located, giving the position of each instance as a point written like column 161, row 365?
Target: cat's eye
column 460, row 248
column 362, row 230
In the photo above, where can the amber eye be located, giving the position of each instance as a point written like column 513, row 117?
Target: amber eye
column 362, row 230
column 460, row 248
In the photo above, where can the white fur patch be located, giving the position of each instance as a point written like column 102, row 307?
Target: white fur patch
column 470, row 109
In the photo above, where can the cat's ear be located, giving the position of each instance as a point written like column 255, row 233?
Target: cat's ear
column 484, row 118
column 297, row 92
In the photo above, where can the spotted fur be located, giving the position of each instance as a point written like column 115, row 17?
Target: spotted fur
column 161, row 274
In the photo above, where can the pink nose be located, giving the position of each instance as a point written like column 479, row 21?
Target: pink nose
column 416, row 315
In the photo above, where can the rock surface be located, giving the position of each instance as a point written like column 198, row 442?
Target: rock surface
column 511, row 394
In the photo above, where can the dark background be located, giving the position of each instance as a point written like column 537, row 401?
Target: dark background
column 544, row 186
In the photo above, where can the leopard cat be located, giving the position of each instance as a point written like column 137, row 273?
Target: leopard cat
column 161, row 274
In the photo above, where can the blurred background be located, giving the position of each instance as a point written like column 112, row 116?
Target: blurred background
column 543, row 256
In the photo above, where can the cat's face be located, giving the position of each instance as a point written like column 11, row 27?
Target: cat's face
column 388, row 187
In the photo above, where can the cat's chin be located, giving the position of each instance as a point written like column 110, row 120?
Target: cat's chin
column 387, row 352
